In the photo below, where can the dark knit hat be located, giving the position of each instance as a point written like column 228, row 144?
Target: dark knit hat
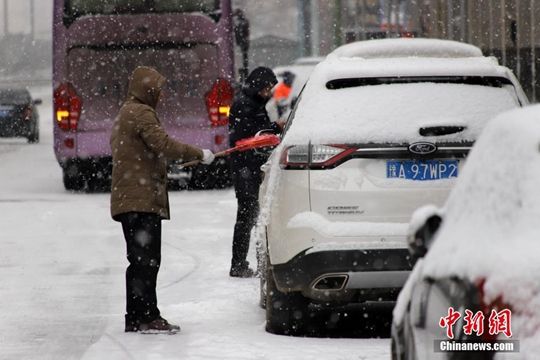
column 260, row 78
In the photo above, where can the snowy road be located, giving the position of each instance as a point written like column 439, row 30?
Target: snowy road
column 62, row 265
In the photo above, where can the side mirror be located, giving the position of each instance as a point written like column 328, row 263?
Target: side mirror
column 38, row 102
column 420, row 237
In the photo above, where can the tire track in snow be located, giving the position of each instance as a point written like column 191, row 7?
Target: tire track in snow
column 196, row 266
column 121, row 346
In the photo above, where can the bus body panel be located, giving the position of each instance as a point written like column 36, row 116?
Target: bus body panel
column 96, row 54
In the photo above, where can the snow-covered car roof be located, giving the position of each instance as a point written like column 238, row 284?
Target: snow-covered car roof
column 337, row 68
column 310, row 60
column 491, row 228
column 394, row 113
column 406, row 47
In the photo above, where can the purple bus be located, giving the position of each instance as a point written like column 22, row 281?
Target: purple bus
column 98, row 43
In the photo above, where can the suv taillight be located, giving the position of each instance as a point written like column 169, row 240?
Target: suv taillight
column 67, row 107
column 314, row 156
column 218, row 101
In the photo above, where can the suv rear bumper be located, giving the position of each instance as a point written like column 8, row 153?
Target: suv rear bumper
column 345, row 274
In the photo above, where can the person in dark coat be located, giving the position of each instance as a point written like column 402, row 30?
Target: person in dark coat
column 139, row 200
column 247, row 117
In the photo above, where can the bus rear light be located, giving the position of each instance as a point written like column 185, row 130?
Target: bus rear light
column 67, row 107
column 218, row 101
column 314, row 156
column 218, row 139
column 69, row 143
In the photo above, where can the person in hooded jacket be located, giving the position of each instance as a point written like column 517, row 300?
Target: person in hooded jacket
column 247, row 117
column 139, row 198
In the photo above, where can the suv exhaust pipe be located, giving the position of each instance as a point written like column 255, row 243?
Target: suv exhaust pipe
column 330, row 282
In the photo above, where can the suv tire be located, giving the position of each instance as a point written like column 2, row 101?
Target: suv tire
column 33, row 138
column 286, row 313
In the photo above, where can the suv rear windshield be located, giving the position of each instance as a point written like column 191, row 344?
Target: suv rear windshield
column 395, row 110
column 467, row 80
column 77, row 8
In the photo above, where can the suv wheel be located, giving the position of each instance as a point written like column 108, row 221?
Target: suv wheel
column 33, row 138
column 396, row 350
column 262, row 265
column 286, row 313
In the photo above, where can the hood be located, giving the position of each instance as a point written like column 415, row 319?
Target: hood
column 145, row 85
column 260, row 78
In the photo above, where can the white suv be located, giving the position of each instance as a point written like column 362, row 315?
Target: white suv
column 381, row 128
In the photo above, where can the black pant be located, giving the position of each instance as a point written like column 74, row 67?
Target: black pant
column 142, row 232
column 246, row 217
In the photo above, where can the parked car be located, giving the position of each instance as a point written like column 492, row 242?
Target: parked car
column 370, row 140
column 482, row 249
column 18, row 114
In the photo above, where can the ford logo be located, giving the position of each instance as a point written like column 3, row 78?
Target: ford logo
column 422, row 148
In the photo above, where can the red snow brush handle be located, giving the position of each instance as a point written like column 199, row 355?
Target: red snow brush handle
column 255, row 142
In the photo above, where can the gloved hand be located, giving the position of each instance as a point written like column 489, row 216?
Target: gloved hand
column 208, row 157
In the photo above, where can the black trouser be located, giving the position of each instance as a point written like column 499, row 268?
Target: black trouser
column 142, row 232
column 246, row 217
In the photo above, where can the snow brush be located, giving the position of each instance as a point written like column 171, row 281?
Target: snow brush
column 255, row 142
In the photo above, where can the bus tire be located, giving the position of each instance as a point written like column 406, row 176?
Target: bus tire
column 72, row 182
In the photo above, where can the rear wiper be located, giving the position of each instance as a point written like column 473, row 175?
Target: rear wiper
column 440, row 130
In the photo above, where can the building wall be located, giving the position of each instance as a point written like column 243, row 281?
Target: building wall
column 507, row 29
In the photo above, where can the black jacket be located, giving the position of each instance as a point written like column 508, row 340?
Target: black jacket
column 247, row 117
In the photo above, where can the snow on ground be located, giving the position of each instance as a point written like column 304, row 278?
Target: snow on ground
column 62, row 270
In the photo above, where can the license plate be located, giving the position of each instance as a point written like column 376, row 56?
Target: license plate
column 422, row 170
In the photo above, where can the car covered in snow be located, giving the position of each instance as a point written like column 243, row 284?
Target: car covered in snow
column 477, row 270
column 381, row 128
column 18, row 114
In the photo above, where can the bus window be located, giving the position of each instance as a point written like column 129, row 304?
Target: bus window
column 76, row 8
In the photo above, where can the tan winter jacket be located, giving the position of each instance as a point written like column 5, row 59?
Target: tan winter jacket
column 141, row 148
